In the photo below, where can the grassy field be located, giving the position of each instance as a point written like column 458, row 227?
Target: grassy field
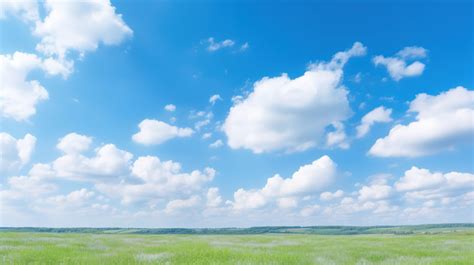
column 90, row 248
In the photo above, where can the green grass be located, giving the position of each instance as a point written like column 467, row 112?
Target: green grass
column 90, row 248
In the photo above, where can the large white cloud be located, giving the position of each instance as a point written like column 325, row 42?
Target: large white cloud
column 27, row 10
column 157, row 180
column 19, row 95
column 416, row 179
column 442, row 123
column 80, row 26
column 181, row 204
column 107, row 162
column 397, row 65
column 375, row 192
column 74, row 143
column 291, row 114
column 309, row 178
column 69, row 25
column 15, row 153
column 156, row 132
column 380, row 114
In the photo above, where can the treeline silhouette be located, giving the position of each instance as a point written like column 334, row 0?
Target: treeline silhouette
column 319, row 230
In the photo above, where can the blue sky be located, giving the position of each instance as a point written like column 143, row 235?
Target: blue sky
column 372, row 122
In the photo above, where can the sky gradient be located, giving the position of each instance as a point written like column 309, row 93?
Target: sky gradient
column 211, row 114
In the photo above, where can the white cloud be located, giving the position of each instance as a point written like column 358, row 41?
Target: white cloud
column 310, row 210
column 213, row 197
column 72, row 25
column 170, row 107
column 309, row 178
column 214, row 98
column 328, row 196
column 442, row 122
column 73, row 199
column 380, row 114
column 244, row 47
column 397, row 66
column 108, row 162
column 287, row 202
column 215, row 46
column 74, row 143
column 24, row 187
column 80, row 26
column 216, row 144
column 20, row 96
column 206, row 135
column 412, row 52
column 337, row 137
column 27, row 10
column 15, row 153
column 422, row 179
column 156, row 132
column 375, row 192
column 177, row 205
column 204, row 118
column 291, row 114
column 61, row 67
column 157, row 179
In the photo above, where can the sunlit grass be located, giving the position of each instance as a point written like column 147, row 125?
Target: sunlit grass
column 51, row 248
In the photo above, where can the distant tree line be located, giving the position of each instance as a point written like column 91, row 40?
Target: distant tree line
column 318, row 230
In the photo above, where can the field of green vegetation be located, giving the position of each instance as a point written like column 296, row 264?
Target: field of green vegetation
column 440, row 247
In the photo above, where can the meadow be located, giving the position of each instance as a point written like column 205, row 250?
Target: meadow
column 125, row 248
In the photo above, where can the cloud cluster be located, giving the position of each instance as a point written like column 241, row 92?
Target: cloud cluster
column 380, row 114
column 113, row 173
column 442, row 122
column 153, row 132
column 308, row 179
column 15, row 153
column 291, row 114
column 78, row 26
column 398, row 66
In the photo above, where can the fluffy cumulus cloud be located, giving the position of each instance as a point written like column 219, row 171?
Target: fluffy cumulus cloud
column 68, row 26
column 337, row 137
column 442, row 122
column 74, row 143
column 15, row 153
column 153, row 179
column 170, row 107
column 328, row 196
column 213, row 197
column 115, row 185
column 27, row 10
column 19, row 95
column 375, row 192
column 400, row 65
column 182, row 204
column 154, row 132
column 108, row 162
column 308, row 179
column 291, row 114
column 73, row 199
column 79, row 26
column 380, row 114
column 110, row 174
column 416, row 179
